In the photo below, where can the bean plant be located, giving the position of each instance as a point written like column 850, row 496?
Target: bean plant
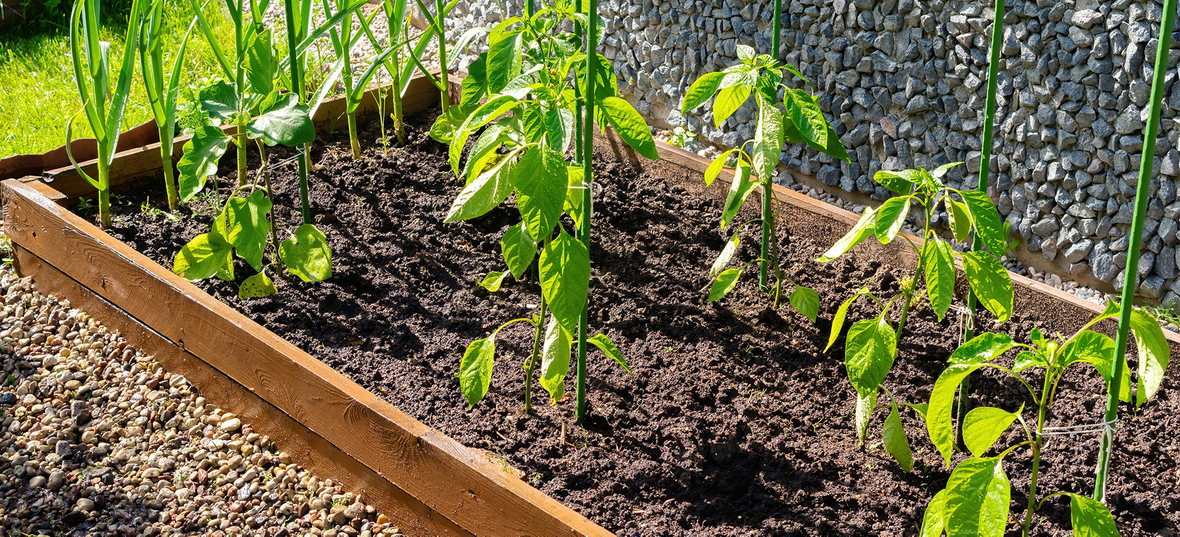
column 760, row 76
column 871, row 345
column 162, row 95
column 976, row 498
column 528, row 124
column 103, row 104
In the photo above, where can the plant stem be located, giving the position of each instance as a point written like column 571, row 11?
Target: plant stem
column 297, row 89
column 352, row 136
column 767, row 216
column 270, row 193
column 104, row 191
column 169, row 179
column 1042, row 413
column 532, row 363
column 442, row 55
column 1132, row 269
column 587, row 197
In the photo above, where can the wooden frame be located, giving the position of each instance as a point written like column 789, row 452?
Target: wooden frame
column 426, row 482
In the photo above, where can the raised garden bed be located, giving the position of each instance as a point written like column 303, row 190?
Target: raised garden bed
column 734, row 423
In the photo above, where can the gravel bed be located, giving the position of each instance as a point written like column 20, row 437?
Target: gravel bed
column 98, row 439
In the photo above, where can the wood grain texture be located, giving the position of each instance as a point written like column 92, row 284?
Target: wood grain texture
column 305, row 447
column 442, row 474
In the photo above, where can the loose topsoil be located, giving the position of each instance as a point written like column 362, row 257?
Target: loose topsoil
column 734, row 423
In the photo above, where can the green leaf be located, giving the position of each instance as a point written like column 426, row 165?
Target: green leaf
column 605, row 82
column 942, row 402
column 986, row 218
column 493, row 280
column 838, row 319
column 739, row 190
column 479, row 117
column 503, row 61
column 805, row 114
column 745, row 53
column 859, row 232
column 1027, row 359
column 896, row 441
column 203, row 257
column 247, row 226
column 934, row 521
column 939, row 264
column 307, row 254
column 768, row 139
column 446, row 125
column 890, row 216
column 835, row 147
column 257, row 286
column 475, row 84
column 728, row 101
column 630, row 125
column 485, row 192
column 1153, row 355
column 285, row 122
column 978, row 494
column 1089, row 518
column 565, row 278
column 898, row 182
column 555, row 359
column 540, row 179
column 723, row 284
column 201, row 154
column 865, row 404
column 608, row 348
column 806, row 301
column 869, row 353
column 260, row 63
column 574, row 194
column 519, row 250
column 559, row 128
column 700, row 91
column 990, row 282
column 219, row 101
column 960, row 219
column 717, row 166
column 725, row 256
column 984, row 425
column 475, row 371
column 982, row 348
column 940, row 171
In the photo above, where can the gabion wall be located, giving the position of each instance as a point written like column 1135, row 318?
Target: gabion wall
column 904, row 83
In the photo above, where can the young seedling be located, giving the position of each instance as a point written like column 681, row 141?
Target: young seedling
column 761, row 76
column 681, row 137
column 976, row 498
column 871, row 346
column 530, row 123
column 162, row 95
column 103, row 104
column 343, row 40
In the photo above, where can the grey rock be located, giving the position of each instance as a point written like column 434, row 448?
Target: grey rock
column 1152, row 286
column 1078, row 250
column 1165, row 263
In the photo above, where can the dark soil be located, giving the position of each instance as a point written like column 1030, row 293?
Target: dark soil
column 735, row 422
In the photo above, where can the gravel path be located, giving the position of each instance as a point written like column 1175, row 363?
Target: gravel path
column 98, row 439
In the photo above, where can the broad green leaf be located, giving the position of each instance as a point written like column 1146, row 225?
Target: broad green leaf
column 859, row 232
column 1153, row 355
column 725, row 256
column 555, row 359
column 940, row 171
column 942, row 402
column 260, row 63
column 493, row 280
column 475, row 371
column 519, row 250
column 503, row 61
column 307, row 254
column 247, row 226
column 896, row 441
column 608, row 348
column 899, row 182
column 219, row 101
column 201, row 154
column 1027, row 359
column 890, row 216
column 745, row 53
column 485, row 192
column 960, row 219
column 984, row 425
column 533, row 121
column 475, row 84
column 717, row 166
column 934, row 521
column 285, row 122
column 739, row 190
column 700, row 91
column 484, row 152
column 806, row 301
column 723, row 284
column 540, row 180
column 737, row 75
column 865, row 404
column 978, row 494
column 869, row 353
column 565, row 278
column 605, row 82
column 986, row 218
column 728, row 101
column 203, row 257
column 768, row 84
column 835, row 147
column 630, row 125
column 938, row 262
column 1089, row 518
column 982, row 348
column 574, row 194
column 479, row 117
column 805, row 114
column 1092, row 348
column 446, row 125
column 768, row 139
column 838, row 320
column 559, row 129
column 257, row 286
column 990, row 282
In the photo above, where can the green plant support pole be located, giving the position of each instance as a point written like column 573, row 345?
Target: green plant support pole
column 297, row 89
column 587, row 198
column 439, row 9
column 768, row 182
column 985, row 158
column 1132, row 268
column 578, row 31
